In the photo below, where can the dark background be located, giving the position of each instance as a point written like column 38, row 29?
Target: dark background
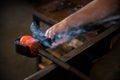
column 15, row 19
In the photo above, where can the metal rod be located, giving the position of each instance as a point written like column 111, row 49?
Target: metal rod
column 63, row 64
column 37, row 75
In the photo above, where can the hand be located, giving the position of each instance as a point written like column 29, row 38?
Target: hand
column 56, row 29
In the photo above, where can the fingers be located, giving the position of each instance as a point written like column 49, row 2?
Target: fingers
column 50, row 33
column 56, row 29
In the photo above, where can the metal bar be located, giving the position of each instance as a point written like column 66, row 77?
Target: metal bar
column 37, row 75
column 44, row 18
column 60, row 63
column 63, row 65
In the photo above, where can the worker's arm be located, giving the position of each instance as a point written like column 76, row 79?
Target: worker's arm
column 93, row 11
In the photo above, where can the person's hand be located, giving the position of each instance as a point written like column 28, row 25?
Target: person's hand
column 57, row 29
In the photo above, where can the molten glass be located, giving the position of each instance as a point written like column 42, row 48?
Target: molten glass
column 32, row 43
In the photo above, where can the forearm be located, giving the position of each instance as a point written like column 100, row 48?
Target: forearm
column 95, row 10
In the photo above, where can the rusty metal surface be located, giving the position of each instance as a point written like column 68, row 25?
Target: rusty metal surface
column 57, row 15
